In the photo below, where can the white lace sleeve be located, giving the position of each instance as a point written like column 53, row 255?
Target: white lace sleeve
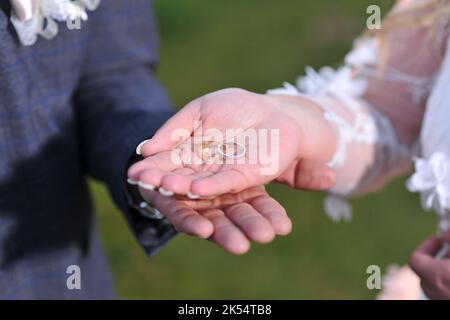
column 377, row 115
column 432, row 169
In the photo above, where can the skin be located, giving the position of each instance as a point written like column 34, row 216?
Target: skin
column 235, row 209
column 231, row 221
column 434, row 273
column 306, row 142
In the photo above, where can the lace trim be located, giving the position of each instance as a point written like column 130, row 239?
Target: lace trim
column 342, row 85
column 43, row 21
column 368, row 126
column 432, row 180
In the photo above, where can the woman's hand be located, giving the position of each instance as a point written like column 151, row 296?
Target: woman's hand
column 434, row 273
column 230, row 220
column 278, row 137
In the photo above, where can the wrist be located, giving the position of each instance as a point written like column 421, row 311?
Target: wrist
column 318, row 137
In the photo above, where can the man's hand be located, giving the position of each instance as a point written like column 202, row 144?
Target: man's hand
column 296, row 158
column 230, row 220
column 434, row 273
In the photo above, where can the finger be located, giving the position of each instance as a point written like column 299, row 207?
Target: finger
column 150, row 179
column 183, row 218
column 231, row 181
column 311, row 175
column 225, row 200
column 228, row 199
column 251, row 223
column 190, row 222
column 274, row 213
column 164, row 161
column 443, row 252
column 422, row 260
column 178, row 181
column 430, row 246
column 226, row 234
column 178, row 128
column 424, row 266
column 429, row 290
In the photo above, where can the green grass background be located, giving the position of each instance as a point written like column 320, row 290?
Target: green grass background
column 256, row 45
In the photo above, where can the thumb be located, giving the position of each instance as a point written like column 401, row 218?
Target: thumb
column 176, row 130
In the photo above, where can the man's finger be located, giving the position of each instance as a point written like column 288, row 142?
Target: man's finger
column 182, row 217
column 252, row 224
column 226, row 234
column 274, row 213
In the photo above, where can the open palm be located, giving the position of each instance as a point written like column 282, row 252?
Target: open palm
column 227, row 141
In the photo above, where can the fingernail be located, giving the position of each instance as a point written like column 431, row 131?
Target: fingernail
column 132, row 182
column 146, row 186
column 165, row 192
column 138, row 148
column 193, row 196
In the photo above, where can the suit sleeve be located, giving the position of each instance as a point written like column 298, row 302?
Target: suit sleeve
column 119, row 103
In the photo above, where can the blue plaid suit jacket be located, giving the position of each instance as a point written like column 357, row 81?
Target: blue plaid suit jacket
column 73, row 106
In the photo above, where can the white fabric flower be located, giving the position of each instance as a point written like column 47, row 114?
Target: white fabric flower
column 337, row 208
column 338, row 82
column 62, row 10
column 348, row 88
column 42, row 21
column 287, row 89
column 366, row 53
column 432, row 179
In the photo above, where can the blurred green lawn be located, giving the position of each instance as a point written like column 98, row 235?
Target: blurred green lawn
column 256, row 45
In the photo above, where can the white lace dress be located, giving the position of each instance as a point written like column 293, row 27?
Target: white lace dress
column 388, row 116
column 389, row 111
